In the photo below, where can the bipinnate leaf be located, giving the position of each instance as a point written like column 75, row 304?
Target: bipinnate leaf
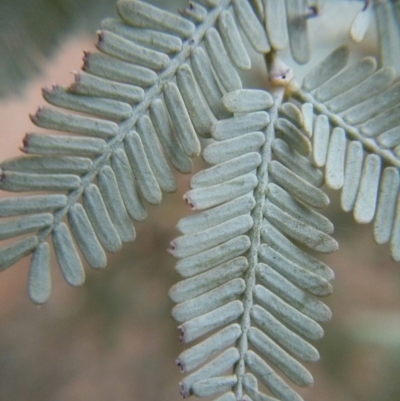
column 248, row 303
column 248, row 298
column 138, row 106
column 356, row 137
column 139, row 103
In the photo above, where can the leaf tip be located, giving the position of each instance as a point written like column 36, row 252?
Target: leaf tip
column 189, row 201
column 179, row 364
column 172, row 248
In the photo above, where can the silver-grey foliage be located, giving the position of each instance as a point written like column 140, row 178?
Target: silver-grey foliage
column 142, row 100
column 240, row 261
column 248, row 302
column 356, row 138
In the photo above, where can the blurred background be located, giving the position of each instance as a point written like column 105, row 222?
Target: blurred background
column 113, row 338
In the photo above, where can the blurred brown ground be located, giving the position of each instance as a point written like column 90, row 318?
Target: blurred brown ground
column 114, row 338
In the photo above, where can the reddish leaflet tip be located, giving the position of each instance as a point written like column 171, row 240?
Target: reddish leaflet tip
column 187, row 199
column 183, row 391
column 85, row 60
column 100, row 36
column 25, row 141
column 178, row 363
column 172, row 247
column 181, row 335
column 33, row 117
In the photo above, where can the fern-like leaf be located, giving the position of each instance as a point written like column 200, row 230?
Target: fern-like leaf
column 354, row 121
column 132, row 117
column 159, row 81
column 142, row 101
column 248, row 294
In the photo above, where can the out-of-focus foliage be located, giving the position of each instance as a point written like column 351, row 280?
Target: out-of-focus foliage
column 32, row 30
